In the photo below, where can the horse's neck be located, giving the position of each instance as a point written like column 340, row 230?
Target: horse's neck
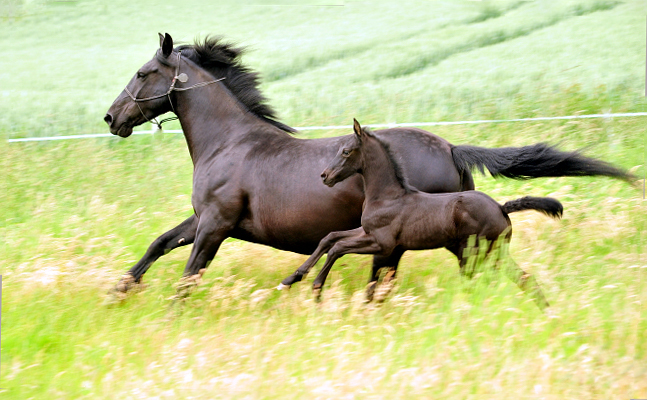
column 380, row 180
column 211, row 117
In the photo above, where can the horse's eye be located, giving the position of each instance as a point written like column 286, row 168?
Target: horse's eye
column 345, row 153
column 141, row 75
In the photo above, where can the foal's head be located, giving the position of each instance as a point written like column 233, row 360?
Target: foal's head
column 348, row 160
column 152, row 80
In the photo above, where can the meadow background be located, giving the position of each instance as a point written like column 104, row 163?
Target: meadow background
column 76, row 214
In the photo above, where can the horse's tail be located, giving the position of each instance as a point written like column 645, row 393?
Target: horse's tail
column 538, row 160
column 546, row 205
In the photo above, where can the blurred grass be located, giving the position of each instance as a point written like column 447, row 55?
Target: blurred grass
column 448, row 60
column 77, row 214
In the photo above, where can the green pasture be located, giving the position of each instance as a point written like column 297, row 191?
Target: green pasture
column 76, row 214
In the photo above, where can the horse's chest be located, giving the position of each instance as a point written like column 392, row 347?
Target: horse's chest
column 215, row 191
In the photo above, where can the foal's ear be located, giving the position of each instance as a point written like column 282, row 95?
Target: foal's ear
column 357, row 128
column 161, row 38
column 166, row 44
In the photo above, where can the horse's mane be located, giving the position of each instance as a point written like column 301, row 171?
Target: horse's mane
column 223, row 60
column 397, row 168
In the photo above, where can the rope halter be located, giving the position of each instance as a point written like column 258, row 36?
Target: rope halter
column 182, row 77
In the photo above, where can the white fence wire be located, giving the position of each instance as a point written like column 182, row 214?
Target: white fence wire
column 334, row 127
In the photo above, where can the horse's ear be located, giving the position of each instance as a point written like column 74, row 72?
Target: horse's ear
column 167, row 45
column 357, row 128
column 161, row 38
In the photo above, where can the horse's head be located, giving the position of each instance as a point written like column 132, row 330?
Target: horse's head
column 348, row 160
column 147, row 94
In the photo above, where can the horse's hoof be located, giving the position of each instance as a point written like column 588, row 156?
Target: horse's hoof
column 126, row 282
column 317, row 294
column 114, row 298
column 283, row 287
column 186, row 285
column 120, row 291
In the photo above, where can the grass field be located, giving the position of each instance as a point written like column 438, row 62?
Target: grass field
column 77, row 214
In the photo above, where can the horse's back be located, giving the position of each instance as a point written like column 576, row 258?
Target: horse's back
column 426, row 159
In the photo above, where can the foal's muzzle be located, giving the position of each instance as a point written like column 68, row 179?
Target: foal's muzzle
column 325, row 176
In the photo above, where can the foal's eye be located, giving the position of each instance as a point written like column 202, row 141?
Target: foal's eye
column 141, row 75
column 345, row 153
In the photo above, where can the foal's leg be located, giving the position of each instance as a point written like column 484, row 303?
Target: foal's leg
column 362, row 243
column 181, row 235
column 526, row 282
column 475, row 249
column 459, row 252
column 391, row 264
column 324, row 245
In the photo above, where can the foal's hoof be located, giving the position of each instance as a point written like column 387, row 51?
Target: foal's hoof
column 316, row 292
column 382, row 291
column 370, row 291
column 551, row 313
column 283, row 287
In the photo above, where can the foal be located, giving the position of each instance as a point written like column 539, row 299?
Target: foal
column 397, row 217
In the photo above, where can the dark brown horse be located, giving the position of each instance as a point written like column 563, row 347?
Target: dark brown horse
column 397, row 217
column 238, row 148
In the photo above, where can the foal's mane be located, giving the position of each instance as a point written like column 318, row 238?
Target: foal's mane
column 223, row 60
column 397, row 168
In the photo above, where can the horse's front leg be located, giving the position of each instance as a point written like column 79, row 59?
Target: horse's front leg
column 324, row 245
column 181, row 235
column 213, row 229
column 361, row 243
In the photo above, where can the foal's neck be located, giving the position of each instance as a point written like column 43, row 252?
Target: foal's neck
column 380, row 178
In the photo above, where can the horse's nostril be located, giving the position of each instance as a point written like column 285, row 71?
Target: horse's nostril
column 324, row 175
column 108, row 119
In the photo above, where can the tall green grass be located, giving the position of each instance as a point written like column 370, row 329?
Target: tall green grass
column 77, row 214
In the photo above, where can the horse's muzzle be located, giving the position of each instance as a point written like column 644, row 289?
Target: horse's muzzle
column 108, row 118
column 122, row 130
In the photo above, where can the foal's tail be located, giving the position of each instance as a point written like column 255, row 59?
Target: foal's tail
column 546, row 205
column 535, row 161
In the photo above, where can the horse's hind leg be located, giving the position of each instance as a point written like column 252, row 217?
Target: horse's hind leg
column 391, row 264
column 181, row 235
column 526, row 282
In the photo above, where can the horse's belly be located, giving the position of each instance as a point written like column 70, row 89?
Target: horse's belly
column 295, row 225
column 290, row 236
